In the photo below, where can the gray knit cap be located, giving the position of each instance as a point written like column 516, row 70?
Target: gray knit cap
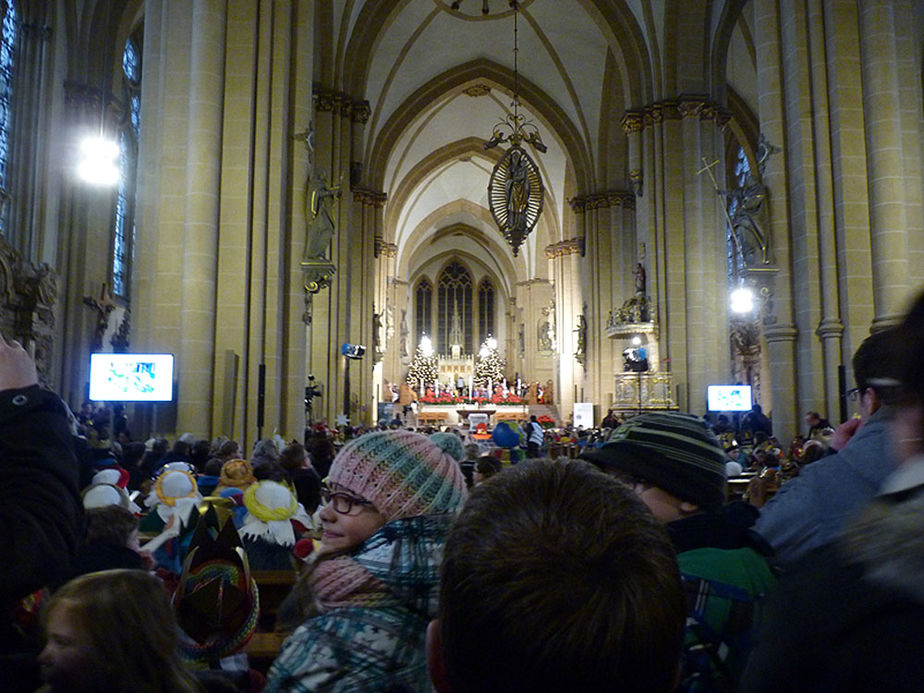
column 675, row 452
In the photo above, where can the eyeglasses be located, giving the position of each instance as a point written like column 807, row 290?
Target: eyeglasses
column 343, row 503
column 855, row 393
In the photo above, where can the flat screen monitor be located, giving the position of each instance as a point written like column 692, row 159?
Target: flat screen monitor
column 131, row 377
column 728, row 397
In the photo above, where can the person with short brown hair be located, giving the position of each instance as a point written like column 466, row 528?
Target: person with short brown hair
column 555, row 578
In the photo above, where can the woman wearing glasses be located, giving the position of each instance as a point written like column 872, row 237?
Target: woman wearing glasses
column 372, row 589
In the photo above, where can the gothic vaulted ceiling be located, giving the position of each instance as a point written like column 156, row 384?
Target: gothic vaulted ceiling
column 438, row 79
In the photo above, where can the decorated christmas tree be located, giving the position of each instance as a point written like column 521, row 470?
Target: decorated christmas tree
column 424, row 369
column 490, row 366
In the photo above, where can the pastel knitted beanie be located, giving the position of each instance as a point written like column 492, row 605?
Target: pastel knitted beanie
column 675, row 452
column 404, row 474
column 449, row 443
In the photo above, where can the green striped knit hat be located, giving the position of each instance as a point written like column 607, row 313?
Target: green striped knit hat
column 403, row 474
column 676, row 452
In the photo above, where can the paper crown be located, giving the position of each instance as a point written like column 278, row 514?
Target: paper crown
column 216, row 602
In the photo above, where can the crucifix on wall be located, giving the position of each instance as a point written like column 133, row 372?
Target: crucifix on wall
column 102, row 306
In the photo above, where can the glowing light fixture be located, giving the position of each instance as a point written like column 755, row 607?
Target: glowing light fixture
column 98, row 163
column 742, row 300
column 636, row 341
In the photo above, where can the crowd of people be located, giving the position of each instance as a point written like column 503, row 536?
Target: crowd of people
column 455, row 562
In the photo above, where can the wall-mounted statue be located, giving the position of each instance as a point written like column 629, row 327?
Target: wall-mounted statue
column 580, row 353
column 378, row 337
column 405, row 332
column 546, row 329
column 640, row 279
column 321, row 225
column 749, row 220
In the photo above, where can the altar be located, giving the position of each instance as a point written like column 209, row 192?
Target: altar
column 457, row 415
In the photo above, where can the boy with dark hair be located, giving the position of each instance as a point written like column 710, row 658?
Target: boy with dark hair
column 676, row 466
column 555, row 577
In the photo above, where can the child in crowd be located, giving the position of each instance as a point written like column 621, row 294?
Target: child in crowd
column 557, row 578
column 486, row 466
column 390, row 498
column 296, row 463
column 236, row 474
column 111, row 541
column 112, row 631
column 676, row 466
column 274, row 521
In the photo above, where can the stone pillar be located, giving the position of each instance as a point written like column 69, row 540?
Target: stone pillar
column 884, row 142
column 607, row 280
column 779, row 331
column 851, row 195
column 830, row 328
column 226, row 88
column 198, row 278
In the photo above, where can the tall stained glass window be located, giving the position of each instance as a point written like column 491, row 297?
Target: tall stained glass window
column 455, row 305
column 485, row 310
column 123, row 236
column 9, row 35
column 424, row 307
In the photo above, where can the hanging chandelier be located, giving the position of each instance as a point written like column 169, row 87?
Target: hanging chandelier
column 515, row 192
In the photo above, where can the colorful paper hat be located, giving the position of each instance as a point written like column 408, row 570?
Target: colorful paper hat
column 216, row 602
column 102, row 495
column 117, row 476
column 271, row 507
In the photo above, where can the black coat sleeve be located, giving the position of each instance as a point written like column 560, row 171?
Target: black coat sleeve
column 41, row 515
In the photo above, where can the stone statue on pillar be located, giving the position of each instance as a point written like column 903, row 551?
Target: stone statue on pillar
column 321, row 228
column 640, row 279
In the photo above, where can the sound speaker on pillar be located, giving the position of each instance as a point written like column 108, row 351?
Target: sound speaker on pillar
column 353, row 351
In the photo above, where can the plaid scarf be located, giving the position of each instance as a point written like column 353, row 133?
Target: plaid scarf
column 399, row 564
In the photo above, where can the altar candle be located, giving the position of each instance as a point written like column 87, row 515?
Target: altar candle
column 471, row 394
column 437, row 388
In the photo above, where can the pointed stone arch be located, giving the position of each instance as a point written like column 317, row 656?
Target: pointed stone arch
column 455, row 80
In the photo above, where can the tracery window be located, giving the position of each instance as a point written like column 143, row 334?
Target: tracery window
column 123, row 236
column 424, row 306
column 9, row 35
column 485, row 310
column 455, row 305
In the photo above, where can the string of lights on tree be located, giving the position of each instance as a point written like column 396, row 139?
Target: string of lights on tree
column 490, row 366
column 424, row 370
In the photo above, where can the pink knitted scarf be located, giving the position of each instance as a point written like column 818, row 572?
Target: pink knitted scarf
column 341, row 582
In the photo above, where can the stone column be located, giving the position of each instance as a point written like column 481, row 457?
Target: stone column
column 198, row 279
column 830, row 327
column 882, row 108
column 778, row 328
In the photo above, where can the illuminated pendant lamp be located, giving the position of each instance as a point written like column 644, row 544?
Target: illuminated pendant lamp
column 515, row 192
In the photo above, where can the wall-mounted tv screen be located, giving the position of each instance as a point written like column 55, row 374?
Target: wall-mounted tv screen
column 728, row 397
column 131, row 377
